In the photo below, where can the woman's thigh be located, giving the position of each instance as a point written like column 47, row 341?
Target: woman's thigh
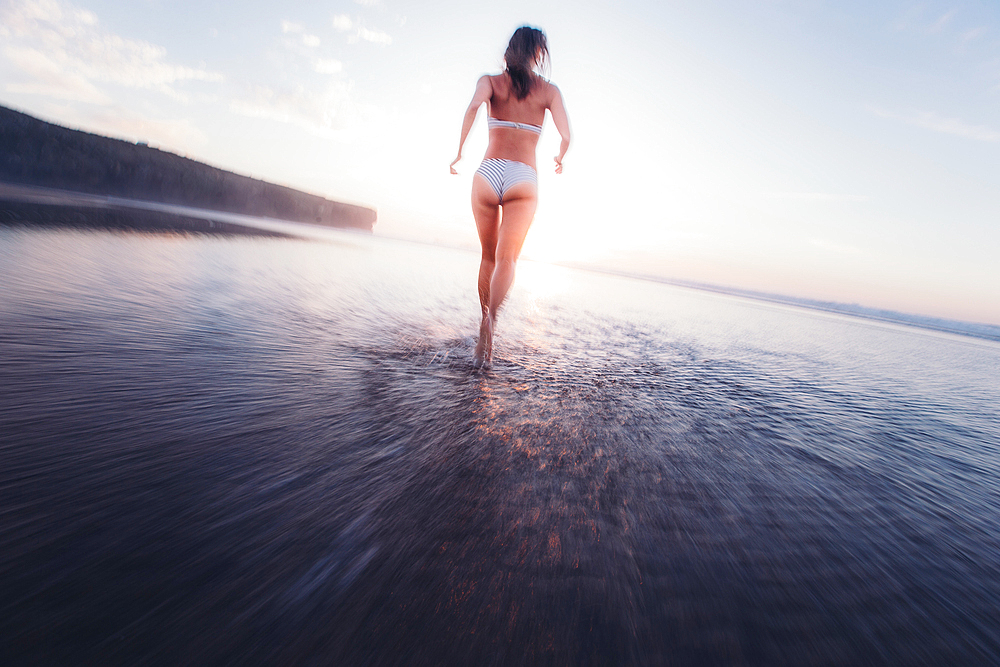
column 486, row 210
column 518, row 211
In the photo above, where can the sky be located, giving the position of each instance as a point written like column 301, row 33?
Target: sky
column 844, row 150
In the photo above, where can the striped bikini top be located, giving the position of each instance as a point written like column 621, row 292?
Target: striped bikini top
column 494, row 123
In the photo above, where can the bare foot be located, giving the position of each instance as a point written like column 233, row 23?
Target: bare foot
column 484, row 346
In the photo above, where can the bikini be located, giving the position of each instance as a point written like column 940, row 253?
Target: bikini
column 494, row 123
column 504, row 174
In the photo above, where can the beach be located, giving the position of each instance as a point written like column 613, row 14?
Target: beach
column 248, row 450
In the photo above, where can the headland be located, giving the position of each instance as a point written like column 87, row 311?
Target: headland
column 114, row 178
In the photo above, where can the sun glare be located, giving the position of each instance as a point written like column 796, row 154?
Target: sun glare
column 541, row 279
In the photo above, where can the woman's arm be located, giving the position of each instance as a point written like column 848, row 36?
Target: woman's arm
column 484, row 91
column 558, row 110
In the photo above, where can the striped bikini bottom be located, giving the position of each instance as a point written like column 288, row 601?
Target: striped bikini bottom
column 502, row 175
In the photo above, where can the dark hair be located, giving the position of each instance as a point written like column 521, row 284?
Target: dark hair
column 526, row 48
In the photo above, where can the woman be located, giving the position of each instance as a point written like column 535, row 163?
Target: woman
column 505, row 187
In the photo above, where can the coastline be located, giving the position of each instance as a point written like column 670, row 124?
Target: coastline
column 39, row 160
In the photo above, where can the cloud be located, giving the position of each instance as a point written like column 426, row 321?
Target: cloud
column 944, row 20
column 64, row 53
column 320, row 105
column 374, row 36
column 974, row 33
column 344, row 23
column 47, row 78
column 327, row 66
column 321, row 112
column 918, row 19
column 291, row 27
column 932, row 121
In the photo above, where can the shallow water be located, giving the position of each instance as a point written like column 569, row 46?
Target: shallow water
column 251, row 451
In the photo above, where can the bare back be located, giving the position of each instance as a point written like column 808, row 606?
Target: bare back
column 512, row 143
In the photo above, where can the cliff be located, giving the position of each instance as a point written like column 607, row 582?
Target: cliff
column 36, row 153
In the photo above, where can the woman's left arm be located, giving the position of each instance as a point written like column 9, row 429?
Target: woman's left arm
column 484, row 91
column 558, row 110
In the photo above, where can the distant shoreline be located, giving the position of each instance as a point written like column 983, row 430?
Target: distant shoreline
column 977, row 330
column 981, row 331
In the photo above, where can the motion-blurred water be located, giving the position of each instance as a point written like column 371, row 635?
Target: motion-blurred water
column 250, row 451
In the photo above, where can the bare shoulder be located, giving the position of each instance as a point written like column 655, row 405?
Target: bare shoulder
column 550, row 92
column 484, row 90
column 485, row 81
column 497, row 81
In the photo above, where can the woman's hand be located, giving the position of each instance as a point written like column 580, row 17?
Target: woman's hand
column 453, row 163
column 558, row 160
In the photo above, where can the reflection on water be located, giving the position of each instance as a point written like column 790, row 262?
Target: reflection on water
column 275, row 452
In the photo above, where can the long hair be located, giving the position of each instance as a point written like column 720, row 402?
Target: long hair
column 527, row 48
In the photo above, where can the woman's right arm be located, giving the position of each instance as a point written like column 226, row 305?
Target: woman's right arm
column 484, row 91
column 558, row 110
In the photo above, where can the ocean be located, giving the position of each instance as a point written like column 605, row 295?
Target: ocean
column 258, row 451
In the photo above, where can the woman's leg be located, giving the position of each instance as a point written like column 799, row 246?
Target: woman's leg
column 501, row 236
column 486, row 210
column 518, row 212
